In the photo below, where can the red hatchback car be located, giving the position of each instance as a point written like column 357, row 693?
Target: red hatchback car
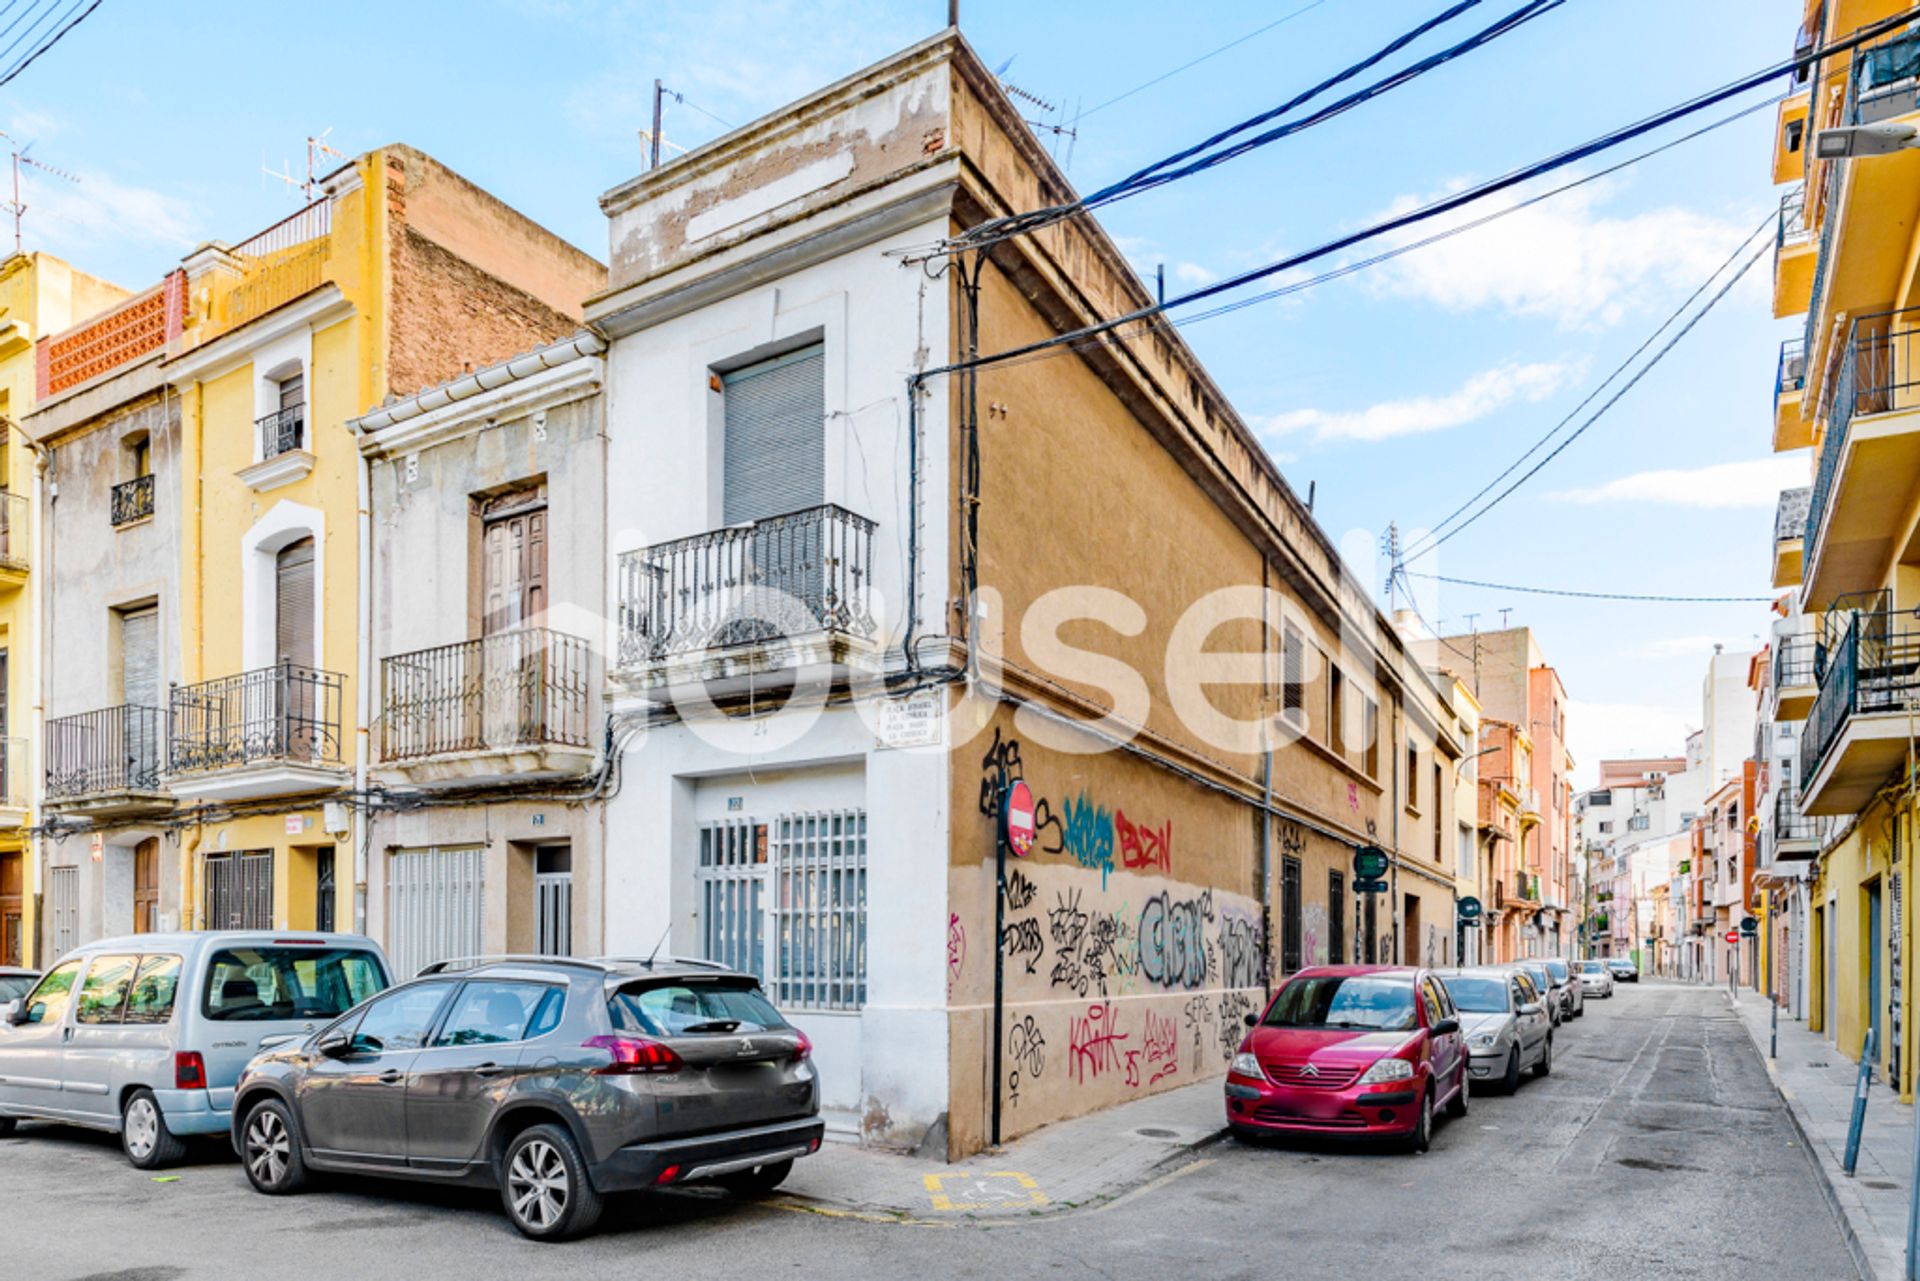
column 1364, row 1050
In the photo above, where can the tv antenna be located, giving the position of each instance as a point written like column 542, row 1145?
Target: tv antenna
column 1060, row 126
column 316, row 149
column 18, row 205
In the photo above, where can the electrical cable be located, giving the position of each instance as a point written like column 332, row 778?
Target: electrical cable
column 1188, row 66
column 33, row 5
column 51, row 11
column 1559, row 591
column 29, row 60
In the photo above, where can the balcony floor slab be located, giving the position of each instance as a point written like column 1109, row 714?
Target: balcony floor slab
column 488, row 767
column 131, row 803
column 260, row 779
column 1869, row 749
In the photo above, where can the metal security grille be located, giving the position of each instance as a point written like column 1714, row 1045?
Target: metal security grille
column 776, row 442
column 820, row 909
column 732, row 878
column 553, row 901
column 433, row 906
column 63, row 887
column 240, row 891
column 1290, row 914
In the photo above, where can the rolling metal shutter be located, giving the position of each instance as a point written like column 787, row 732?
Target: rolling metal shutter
column 776, row 441
column 140, row 658
column 293, row 602
column 433, row 906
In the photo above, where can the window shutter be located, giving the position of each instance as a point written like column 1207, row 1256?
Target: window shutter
column 1293, row 696
column 140, row 658
column 776, row 445
column 293, row 599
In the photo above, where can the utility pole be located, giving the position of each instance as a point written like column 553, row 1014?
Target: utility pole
column 1391, row 545
column 653, row 141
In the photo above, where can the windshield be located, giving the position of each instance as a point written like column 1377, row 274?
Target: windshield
column 1592, row 967
column 1558, row 969
column 1342, row 1001
column 253, row 984
column 693, row 1009
column 1477, row 996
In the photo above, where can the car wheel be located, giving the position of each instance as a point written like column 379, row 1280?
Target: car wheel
column 1457, row 1105
column 1545, row 1065
column 1511, row 1081
column 545, row 1188
column 144, row 1135
column 271, row 1150
column 1422, row 1137
column 758, row 1181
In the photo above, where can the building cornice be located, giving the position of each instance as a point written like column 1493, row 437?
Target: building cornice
column 231, row 350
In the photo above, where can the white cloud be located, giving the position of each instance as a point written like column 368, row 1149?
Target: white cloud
column 68, row 218
column 1596, row 730
column 1687, row 646
column 1483, row 394
column 1756, row 483
column 1563, row 258
column 1192, row 273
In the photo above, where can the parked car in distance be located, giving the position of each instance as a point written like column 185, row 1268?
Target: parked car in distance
column 1595, row 978
column 1366, row 1051
column 555, row 1080
column 145, row 1036
column 16, row 982
column 1624, row 969
column 1507, row 1028
column 1542, row 979
column 1573, row 998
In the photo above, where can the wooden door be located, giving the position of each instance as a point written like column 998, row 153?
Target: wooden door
column 515, row 571
column 146, row 886
column 12, row 942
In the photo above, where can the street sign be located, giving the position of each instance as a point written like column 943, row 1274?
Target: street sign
column 1016, row 818
column 1733, row 936
column 1469, row 909
column 1367, row 886
column 1749, row 925
column 1369, row 862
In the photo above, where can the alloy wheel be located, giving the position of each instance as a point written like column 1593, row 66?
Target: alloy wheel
column 269, row 1147
column 538, row 1185
column 142, row 1127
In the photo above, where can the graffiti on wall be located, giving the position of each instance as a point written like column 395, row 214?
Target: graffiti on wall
column 1089, row 832
column 1095, row 1043
column 1144, row 848
column 956, row 950
column 1173, row 939
column 1000, row 768
column 1027, row 1050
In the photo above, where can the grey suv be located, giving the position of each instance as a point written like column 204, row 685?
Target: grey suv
column 555, row 1080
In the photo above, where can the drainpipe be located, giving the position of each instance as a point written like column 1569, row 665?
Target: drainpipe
column 41, row 651
column 358, row 817
column 1393, row 908
column 1266, row 859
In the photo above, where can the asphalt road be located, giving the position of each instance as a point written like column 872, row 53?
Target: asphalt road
column 1657, row 1149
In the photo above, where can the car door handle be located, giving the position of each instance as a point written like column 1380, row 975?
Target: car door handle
column 488, row 1069
column 391, row 1077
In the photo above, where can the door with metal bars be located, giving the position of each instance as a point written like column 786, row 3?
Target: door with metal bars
column 434, row 906
column 240, row 890
column 553, row 900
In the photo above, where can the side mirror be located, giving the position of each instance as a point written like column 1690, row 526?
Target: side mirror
column 335, row 1045
column 1532, row 1007
column 1253, row 1020
column 17, row 1011
column 1445, row 1027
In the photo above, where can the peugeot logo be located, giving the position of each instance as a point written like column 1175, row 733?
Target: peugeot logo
column 1309, row 1069
column 746, row 1048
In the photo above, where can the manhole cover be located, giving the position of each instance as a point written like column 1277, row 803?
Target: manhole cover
column 1818, row 1065
column 1153, row 1133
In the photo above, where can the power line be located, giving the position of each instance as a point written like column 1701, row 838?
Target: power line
column 1563, row 591
column 55, row 39
column 52, row 9
column 1188, row 66
column 1436, row 530
column 1609, row 403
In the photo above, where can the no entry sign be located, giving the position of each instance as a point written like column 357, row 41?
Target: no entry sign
column 1733, row 936
column 1016, row 816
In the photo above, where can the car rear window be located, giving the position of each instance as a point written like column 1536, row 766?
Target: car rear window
column 708, row 1006
column 1345, row 1001
column 1558, row 969
column 253, row 984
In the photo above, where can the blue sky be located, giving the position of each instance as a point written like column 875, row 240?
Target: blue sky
column 1397, row 391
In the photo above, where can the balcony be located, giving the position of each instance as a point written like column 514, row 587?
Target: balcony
column 107, row 763
column 274, row 731
column 1795, row 254
column 1790, row 137
column 1856, row 735
column 1796, row 836
column 518, row 705
column 16, row 516
column 1886, row 80
column 1792, row 689
column 748, row 602
column 286, row 261
column 1791, row 428
column 284, row 454
column 1869, row 468
column 132, row 502
column 16, row 789
column 1790, row 535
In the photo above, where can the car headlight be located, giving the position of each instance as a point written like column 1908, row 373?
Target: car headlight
column 1247, row 1065
column 1387, row 1070
column 1483, row 1040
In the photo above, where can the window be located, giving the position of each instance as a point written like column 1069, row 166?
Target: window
column 1336, row 710
column 1292, row 674
column 679, row 1009
column 1604, row 797
column 154, row 984
column 49, row 1001
column 1466, row 850
column 775, row 439
column 139, row 455
column 493, row 1013
column 514, row 550
column 1413, row 777
column 257, row 983
column 1290, row 914
column 293, row 603
column 1795, row 130
column 1378, row 1003
column 400, row 1021
column 1370, row 728
column 1606, row 825
column 1336, row 918
column 1639, row 823
column 106, row 989
column 1439, row 790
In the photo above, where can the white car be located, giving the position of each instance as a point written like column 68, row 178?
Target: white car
column 1595, row 978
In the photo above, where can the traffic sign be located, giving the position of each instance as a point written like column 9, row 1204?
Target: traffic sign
column 1369, row 862
column 1733, row 936
column 1749, row 925
column 1016, row 818
column 1369, row 886
column 1469, row 909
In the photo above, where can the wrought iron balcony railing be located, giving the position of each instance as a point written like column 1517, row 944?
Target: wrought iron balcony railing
column 522, row 688
column 114, row 749
column 805, row 573
column 132, row 500
column 1822, row 214
column 1793, row 661
column 16, row 513
column 1874, row 667
column 1790, row 375
column 1789, row 824
column 1879, row 372
column 1792, row 228
column 287, row 712
column 282, row 431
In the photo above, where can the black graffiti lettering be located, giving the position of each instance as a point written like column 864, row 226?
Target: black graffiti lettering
column 1020, row 891
column 1023, row 941
column 1233, row 1010
column 1174, row 951
column 1241, row 957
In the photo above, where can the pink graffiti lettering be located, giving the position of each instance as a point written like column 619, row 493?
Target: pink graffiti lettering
column 1094, row 1045
column 956, row 950
column 1163, row 1047
column 1144, row 847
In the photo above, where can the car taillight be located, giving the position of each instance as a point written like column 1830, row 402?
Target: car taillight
column 189, row 1071
column 803, row 1050
column 668, row 1175
column 634, row 1056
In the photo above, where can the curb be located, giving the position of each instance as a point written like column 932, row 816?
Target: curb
column 1856, row 1249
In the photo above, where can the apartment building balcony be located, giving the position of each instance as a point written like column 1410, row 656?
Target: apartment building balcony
column 16, row 786
column 1796, row 835
column 519, row 705
column 1858, row 516
column 1790, row 535
column 1792, row 688
column 132, row 502
column 1792, row 429
column 1790, row 137
column 285, row 455
column 1857, row 732
column 274, row 731
column 16, row 515
column 750, row 604
column 1795, row 254
column 107, row 764
column 1885, row 82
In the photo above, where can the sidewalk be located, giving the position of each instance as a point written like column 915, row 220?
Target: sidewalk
column 1818, row 1084
column 1086, row 1161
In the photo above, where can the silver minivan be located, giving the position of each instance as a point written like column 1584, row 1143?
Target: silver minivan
column 146, row 1035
